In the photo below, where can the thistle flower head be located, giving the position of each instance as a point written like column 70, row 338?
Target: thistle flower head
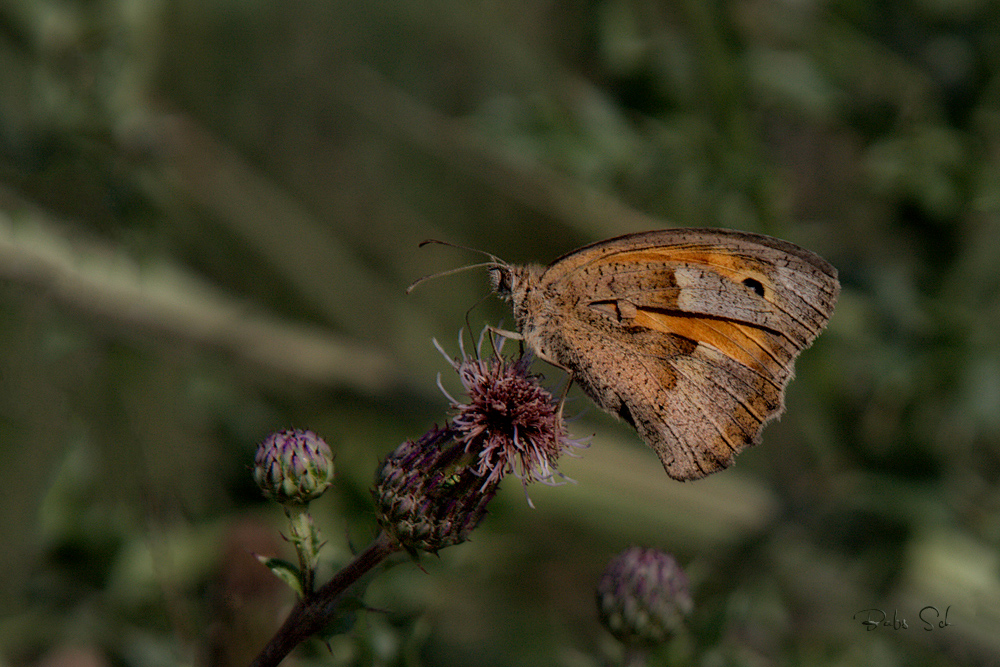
column 643, row 596
column 431, row 493
column 427, row 496
column 510, row 422
column 293, row 466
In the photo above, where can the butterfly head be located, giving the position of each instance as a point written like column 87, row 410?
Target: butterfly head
column 503, row 279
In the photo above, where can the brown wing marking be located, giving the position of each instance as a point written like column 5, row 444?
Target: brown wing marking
column 668, row 385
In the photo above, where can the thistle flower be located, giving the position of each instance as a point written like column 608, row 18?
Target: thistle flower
column 293, row 466
column 510, row 422
column 431, row 493
column 643, row 596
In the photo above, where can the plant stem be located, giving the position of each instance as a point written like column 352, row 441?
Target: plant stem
column 315, row 611
column 307, row 543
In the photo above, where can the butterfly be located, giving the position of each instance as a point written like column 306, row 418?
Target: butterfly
column 688, row 335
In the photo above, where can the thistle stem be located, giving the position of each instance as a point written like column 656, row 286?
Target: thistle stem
column 307, row 543
column 315, row 611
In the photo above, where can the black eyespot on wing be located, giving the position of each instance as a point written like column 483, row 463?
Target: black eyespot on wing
column 755, row 285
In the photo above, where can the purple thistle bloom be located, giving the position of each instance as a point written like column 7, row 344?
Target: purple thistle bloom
column 510, row 422
column 431, row 493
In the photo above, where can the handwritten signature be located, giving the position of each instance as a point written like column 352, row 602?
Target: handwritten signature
column 930, row 616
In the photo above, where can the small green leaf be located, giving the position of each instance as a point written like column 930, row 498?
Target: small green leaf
column 285, row 571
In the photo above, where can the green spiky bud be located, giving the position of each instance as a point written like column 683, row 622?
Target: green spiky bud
column 293, row 466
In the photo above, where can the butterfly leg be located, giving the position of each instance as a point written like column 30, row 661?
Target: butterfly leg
column 562, row 398
column 511, row 335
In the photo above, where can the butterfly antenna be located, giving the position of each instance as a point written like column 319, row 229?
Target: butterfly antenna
column 494, row 261
column 461, row 247
column 449, row 272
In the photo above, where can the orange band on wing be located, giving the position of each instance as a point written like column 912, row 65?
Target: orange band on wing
column 742, row 343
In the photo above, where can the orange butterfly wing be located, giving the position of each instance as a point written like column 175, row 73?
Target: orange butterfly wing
column 690, row 335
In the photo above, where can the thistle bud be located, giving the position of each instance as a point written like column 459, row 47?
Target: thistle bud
column 293, row 466
column 428, row 496
column 643, row 596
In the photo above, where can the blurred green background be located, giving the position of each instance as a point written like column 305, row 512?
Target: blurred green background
column 209, row 211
